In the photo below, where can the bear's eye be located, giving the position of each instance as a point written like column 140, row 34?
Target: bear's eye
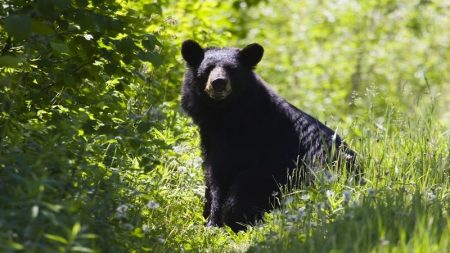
column 209, row 69
column 204, row 72
column 231, row 68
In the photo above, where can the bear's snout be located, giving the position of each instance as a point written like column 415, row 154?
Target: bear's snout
column 218, row 86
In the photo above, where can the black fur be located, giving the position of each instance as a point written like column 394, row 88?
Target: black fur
column 252, row 139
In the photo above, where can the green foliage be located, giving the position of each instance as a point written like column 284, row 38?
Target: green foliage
column 89, row 121
column 337, row 52
column 95, row 155
column 71, row 124
column 403, row 207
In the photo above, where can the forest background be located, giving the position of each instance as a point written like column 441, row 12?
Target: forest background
column 97, row 156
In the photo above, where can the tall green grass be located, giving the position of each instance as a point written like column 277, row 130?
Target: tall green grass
column 402, row 207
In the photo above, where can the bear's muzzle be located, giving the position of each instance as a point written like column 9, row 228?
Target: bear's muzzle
column 218, row 86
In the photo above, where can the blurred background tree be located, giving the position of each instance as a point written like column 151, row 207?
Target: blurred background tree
column 328, row 56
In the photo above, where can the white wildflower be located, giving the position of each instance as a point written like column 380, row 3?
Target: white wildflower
column 384, row 242
column 321, row 205
column 331, row 177
column 121, row 211
column 197, row 162
column 301, row 212
column 182, row 169
column 34, row 211
column 152, row 204
column 347, row 196
column 329, row 193
column 396, row 170
column 180, row 149
column 379, row 126
column 128, row 226
column 288, row 200
column 88, row 36
column 371, row 192
column 293, row 218
column 304, row 197
column 430, row 195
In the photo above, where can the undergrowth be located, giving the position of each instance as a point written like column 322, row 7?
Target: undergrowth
column 403, row 206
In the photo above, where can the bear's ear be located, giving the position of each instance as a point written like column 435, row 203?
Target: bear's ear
column 251, row 54
column 192, row 53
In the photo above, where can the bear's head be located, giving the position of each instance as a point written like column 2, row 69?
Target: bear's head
column 219, row 73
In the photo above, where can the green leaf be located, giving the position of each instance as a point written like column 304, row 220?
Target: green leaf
column 81, row 249
column 110, row 68
column 127, row 59
column 45, row 7
column 9, row 61
column 150, row 42
column 126, row 46
column 152, row 57
column 56, row 238
column 153, row 9
column 75, row 230
column 82, row 3
column 41, row 28
column 18, row 26
column 89, row 236
column 60, row 47
column 144, row 126
column 62, row 4
column 16, row 246
column 53, row 207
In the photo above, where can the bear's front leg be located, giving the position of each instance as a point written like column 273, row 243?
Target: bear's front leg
column 212, row 210
column 207, row 207
column 250, row 195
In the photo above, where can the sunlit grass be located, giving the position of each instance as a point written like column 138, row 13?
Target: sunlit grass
column 402, row 207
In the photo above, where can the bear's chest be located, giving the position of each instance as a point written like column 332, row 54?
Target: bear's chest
column 249, row 143
column 232, row 143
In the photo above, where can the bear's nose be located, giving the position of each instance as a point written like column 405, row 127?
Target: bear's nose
column 219, row 84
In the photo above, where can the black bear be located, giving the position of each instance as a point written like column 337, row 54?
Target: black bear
column 251, row 138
